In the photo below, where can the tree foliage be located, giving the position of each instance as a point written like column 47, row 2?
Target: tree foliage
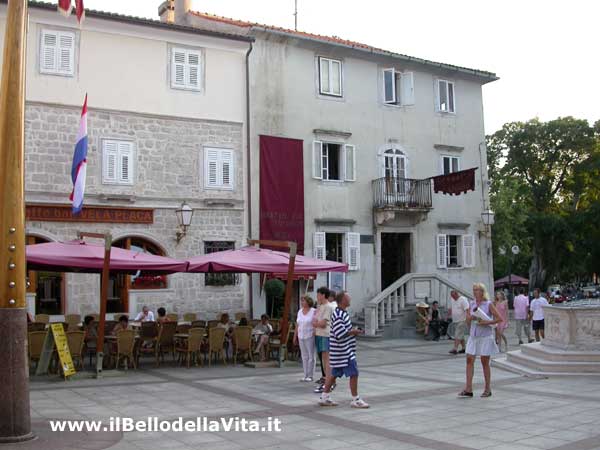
column 545, row 190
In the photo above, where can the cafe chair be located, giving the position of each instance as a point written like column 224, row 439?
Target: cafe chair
column 216, row 341
column 189, row 349
column 75, row 341
column 199, row 324
column 173, row 317
column 165, row 341
column 42, row 318
column 189, row 317
column 73, row 319
column 35, row 340
column 125, row 348
column 242, row 342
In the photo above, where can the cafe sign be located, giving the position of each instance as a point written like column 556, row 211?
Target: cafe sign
column 96, row 214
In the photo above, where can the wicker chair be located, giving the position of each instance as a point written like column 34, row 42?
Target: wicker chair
column 75, row 340
column 35, row 340
column 42, row 318
column 275, row 324
column 189, row 317
column 216, row 341
column 109, row 325
column 253, row 322
column 199, row 324
column 165, row 341
column 36, row 326
column 240, row 315
column 173, row 317
column 73, row 319
column 190, row 348
column 211, row 324
column 183, row 329
column 275, row 343
column 242, row 342
column 125, row 348
column 147, row 340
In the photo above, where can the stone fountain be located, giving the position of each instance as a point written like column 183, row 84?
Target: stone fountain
column 571, row 346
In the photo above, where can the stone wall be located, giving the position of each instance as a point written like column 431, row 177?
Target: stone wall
column 168, row 171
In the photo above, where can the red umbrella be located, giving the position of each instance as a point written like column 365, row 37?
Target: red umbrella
column 515, row 280
column 260, row 260
column 79, row 256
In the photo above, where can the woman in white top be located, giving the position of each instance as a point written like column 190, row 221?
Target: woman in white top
column 304, row 336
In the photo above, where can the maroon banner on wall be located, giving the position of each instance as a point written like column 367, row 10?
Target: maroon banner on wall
column 282, row 190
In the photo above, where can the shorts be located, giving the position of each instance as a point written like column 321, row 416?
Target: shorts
column 460, row 329
column 538, row 324
column 322, row 343
column 351, row 370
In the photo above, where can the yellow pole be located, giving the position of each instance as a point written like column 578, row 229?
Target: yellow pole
column 15, row 422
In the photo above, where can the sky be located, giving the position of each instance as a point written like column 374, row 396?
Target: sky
column 544, row 51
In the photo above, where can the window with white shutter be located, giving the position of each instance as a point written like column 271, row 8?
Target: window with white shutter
column 398, row 87
column 353, row 250
column 186, row 69
column 330, row 77
column 389, row 86
column 468, row 247
column 349, row 163
column 218, row 168
column 318, row 160
column 441, row 251
column 57, row 52
column 407, row 88
column 118, row 162
column 319, row 245
column 445, row 96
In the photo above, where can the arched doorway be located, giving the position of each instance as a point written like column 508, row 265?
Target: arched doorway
column 48, row 287
column 120, row 284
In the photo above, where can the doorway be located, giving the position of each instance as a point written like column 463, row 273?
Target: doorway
column 395, row 257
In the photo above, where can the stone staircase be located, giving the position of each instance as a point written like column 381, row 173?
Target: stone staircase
column 537, row 360
column 392, row 313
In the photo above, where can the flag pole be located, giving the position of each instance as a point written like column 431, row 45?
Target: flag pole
column 15, row 419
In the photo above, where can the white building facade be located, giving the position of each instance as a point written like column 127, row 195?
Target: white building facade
column 166, row 125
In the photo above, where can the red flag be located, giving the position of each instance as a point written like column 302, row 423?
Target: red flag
column 64, row 7
column 455, row 183
column 79, row 10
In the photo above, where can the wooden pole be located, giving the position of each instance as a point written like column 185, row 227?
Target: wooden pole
column 103, row 296
column 15, row 420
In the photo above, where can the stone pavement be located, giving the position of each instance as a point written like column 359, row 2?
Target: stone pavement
column 410, row 384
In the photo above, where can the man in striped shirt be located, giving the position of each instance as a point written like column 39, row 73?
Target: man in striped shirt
column 342, row 353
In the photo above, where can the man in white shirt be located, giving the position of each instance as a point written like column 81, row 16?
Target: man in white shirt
column 145, row 316
column 536, row 311
column 459, row 308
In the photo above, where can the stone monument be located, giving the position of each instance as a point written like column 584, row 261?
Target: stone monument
column 571, row 346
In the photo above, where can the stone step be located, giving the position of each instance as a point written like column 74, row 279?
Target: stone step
column 542, row 365
column 547, row 353
column 504, row 364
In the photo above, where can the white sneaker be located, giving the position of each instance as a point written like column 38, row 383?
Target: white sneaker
column 308, row 379
column 326, row 402
column 359, row 403
column 305, row 380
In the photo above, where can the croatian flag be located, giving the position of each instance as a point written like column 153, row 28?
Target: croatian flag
column 65, row 7
column 78, row 170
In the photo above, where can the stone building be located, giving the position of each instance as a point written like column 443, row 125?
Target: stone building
column 166, row 125
column 374, row 127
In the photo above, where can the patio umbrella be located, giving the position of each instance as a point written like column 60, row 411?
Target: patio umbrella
column 515, row 280
column 79, row 256
column 259, row 260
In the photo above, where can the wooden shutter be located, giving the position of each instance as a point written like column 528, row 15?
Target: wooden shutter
column 451, row 98
column 211, row 167
column 468, row 247
column 126, row 162
column 389, row 86
column 110, row 155
column 349, row 163
column 193, row 70
column 353, row 243
column 226, row 168
column 66, row 53
column 318, row 160
column 442, row 96
column 48, row 51
column 441, row 251
column 319, row 245
column 407, row 88
column 324, row 84
column 178, row 68
column 336, row 77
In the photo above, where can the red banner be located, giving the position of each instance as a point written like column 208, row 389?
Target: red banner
column 455, row 183
column 282, row 190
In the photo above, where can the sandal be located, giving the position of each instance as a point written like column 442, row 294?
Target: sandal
column 486, row 394
column 465, row 394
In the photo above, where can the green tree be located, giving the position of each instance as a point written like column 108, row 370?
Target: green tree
column 541, row 176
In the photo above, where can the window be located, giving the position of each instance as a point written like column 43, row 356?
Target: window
column 218, row 168
column 398, row 87
column 335, row 162
column 330, row 77
column 445, row 96
column 338, row 247
column 450, row 164
column 57, row 53
column 186, row 69
column 219, row 279
column 117, row 162
column 455, row 250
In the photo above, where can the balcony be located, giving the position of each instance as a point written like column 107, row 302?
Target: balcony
column 400, row 194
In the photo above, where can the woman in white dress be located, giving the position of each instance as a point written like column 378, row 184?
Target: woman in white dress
column 304, row 336
column 482, row 340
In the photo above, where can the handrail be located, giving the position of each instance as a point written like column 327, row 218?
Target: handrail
column 404, row 193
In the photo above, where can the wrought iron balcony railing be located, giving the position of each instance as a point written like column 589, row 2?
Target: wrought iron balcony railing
column 401, row 193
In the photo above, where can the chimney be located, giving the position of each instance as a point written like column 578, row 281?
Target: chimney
column 182, row 7
column 166, row 11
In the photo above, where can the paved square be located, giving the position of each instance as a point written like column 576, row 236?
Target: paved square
column 410, row 384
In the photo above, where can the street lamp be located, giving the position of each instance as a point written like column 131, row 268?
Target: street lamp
column 487, row 217
column 184, row 219
column 515, row 251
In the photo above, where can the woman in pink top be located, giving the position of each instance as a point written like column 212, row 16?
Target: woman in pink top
column 502, row 307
